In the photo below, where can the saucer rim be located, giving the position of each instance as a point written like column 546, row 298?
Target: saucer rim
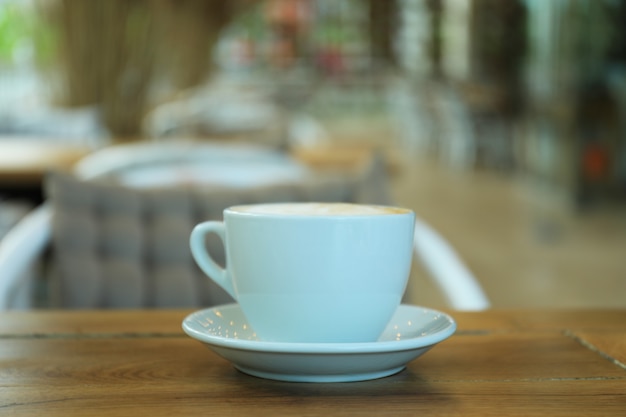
column 322, row 378
column 324, row 348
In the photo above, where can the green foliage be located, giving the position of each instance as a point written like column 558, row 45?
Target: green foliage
column 21, row 24
column 13, row 29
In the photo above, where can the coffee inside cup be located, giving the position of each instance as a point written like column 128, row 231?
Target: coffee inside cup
column 319, row 209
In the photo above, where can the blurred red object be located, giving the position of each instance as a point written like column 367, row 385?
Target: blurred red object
column 595, row 161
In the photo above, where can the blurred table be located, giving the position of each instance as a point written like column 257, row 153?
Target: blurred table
column 24, row 161
column 334, row 158
column 521, row 363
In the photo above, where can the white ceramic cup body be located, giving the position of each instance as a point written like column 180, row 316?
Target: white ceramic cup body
column 312, row 278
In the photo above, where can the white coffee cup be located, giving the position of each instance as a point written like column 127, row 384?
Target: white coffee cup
column 312, row 272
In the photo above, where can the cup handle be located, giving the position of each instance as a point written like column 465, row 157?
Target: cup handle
column 221, row 276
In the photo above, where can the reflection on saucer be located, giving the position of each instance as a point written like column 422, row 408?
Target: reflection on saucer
column 411, row 332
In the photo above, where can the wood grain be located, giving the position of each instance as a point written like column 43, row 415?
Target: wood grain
column 609, row 344
column 130, row 363
column 88, row 323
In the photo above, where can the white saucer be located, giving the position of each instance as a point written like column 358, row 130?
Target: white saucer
column 411, row 332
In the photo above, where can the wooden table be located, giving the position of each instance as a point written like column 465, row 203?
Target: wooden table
column 24, row 161
column 523, row 363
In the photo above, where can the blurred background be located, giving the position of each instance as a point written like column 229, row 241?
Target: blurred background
column 501, row 122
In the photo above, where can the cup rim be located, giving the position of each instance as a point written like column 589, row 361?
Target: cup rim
column 393, row 211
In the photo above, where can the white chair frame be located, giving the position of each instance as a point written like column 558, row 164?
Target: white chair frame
column 26, row 242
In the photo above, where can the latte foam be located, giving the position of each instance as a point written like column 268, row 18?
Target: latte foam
column 319, row 209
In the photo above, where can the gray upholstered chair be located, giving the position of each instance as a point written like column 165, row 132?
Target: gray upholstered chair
column 116, row 232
